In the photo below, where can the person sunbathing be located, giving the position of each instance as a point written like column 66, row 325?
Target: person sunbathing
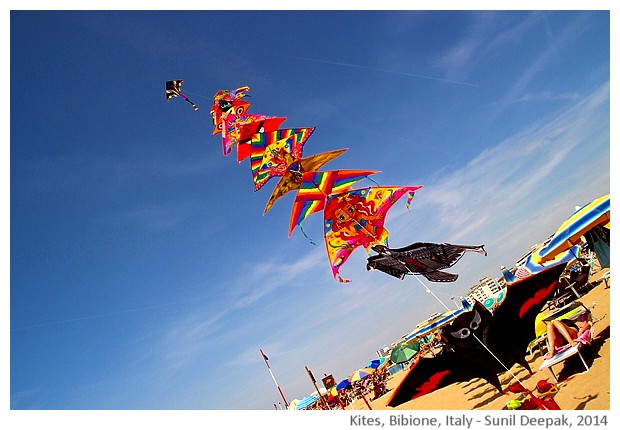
column 562, row 334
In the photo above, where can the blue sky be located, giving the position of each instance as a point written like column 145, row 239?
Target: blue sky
column 143, row 274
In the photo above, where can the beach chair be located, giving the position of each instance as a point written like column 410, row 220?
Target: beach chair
column 571, row 311
column 605, row 278
column 560, row 357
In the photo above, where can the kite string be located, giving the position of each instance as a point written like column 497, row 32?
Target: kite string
column 428, row 290
column 483, row 345
column 197, row 95
column 508, row 370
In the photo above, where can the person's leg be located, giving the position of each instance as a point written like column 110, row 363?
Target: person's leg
column 568, row 333
column 558, row 334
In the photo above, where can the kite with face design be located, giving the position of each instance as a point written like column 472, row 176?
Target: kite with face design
column 479, row 344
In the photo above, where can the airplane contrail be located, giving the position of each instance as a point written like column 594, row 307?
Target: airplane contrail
column 377, row 69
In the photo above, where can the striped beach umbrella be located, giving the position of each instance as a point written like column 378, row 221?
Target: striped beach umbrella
column 293, row 404
column 533, row 263
column 441, row 320
column 360, row 374
column 597, row 212
column 307, row 401
column 377, row 362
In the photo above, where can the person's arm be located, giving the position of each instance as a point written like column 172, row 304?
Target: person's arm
column 583, row 326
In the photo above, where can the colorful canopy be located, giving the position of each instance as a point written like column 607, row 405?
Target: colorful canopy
column 597, row 212
column 343, row 384
column 360, row 374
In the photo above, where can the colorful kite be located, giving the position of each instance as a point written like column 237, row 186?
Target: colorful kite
column 173, row 89
column 292, row 178
column 316, row 186
column 228, row 102
column 239, row 131
column 247, row 128
column 355, row 218
column 476, row 341
column 224, row 100
column 222, row 120
column 275, row 152
column 231, row 126
column 426, row 259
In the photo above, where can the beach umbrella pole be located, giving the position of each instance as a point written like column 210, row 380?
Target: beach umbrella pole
column 366, row 401
column 265, row 359
column 323, row 402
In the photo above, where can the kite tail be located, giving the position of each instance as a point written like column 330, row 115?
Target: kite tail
column 373, row 181
column 191, row 103
column 409, row 199
column 341, row 279
column 305, row 235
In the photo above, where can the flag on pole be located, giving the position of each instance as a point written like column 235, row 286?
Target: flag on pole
column 265, row 358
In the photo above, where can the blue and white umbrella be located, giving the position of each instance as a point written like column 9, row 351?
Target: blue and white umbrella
column 376, row 363
column 440, row 321
column 307, row 401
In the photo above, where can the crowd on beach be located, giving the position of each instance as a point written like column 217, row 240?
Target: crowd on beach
column 560, row 335
column 369, row 388
column 566, row 323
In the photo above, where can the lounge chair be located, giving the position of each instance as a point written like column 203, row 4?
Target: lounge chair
column 572, row 311
column 561, row 357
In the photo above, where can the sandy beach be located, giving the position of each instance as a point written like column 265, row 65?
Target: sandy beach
column 577, row 389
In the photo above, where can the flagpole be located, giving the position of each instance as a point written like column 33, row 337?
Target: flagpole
column 273, row 377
